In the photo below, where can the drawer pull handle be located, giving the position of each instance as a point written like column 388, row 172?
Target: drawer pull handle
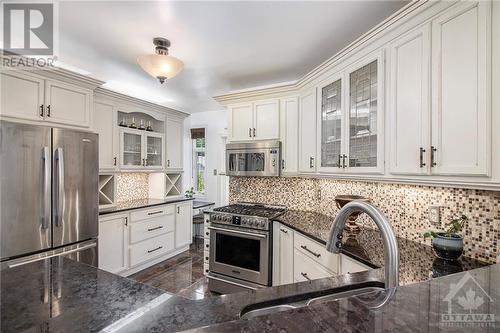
column 158, row 227
column 283, row 230
column 305, row 275
column 153, row 250
column 154, row 213
column 317, row 255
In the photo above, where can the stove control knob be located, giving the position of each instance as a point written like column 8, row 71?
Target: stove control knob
column 244, row 221
column 262, row 224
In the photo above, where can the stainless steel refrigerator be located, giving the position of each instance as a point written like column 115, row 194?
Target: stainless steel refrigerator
column 48, row 194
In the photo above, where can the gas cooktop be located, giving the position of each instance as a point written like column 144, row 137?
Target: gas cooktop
column 249, row 209
column 246, row 215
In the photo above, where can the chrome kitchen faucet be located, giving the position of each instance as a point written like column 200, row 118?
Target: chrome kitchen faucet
column 391, row 252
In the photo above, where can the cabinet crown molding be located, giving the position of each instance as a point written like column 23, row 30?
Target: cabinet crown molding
column 106, row 93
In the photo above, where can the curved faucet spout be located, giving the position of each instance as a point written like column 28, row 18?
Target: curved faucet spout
column 391, row 252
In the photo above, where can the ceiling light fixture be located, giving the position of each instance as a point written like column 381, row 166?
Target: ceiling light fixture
column 161, row 65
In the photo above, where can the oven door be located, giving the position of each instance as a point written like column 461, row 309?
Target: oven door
column 240, row 253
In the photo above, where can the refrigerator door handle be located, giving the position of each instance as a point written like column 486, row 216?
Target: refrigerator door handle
column 46, row 188
column 59, row 202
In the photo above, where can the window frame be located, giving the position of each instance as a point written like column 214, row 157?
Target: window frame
column 194, row 178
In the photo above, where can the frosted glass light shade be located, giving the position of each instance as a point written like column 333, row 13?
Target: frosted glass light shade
column 161, row 66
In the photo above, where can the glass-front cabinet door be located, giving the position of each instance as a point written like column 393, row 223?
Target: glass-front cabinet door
column 154, row 150
column 350, row 118
column 363, row 117
column 131, row 149
column 330, row 125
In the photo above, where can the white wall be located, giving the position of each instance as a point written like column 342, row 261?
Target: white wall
column 215, row 123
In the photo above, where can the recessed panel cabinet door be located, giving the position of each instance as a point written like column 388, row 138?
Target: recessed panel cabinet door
column 285, row 255
column 183, row 224
column 289, row 130
column 241, row 122
column 67, row 104
column 410, row 103
column 461, row 109
column 113, row 243
column 104, row 123
column 174, row 144
column 266, row 120
column 21, row 96
column 307, row 132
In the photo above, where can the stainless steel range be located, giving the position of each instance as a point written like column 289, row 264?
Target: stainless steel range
column 241, row 247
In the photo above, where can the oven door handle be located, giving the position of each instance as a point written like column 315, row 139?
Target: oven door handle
column 238, row 232
column 231, row 282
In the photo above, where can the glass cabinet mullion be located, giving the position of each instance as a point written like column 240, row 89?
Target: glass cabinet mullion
column 331, row 124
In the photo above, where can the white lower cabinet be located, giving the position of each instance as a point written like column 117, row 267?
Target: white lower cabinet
column 297, row 257
column 151, row 248
column 349, row 265
column 113, row 243
column 183, row 224
column 132, row 241
column 305, row 268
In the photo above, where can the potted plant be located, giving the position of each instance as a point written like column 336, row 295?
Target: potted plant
column 190, row 193
column 449, row 244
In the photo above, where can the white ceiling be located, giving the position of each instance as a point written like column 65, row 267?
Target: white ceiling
column 225, row 45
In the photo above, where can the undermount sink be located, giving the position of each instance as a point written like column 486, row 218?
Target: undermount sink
column 310, row 298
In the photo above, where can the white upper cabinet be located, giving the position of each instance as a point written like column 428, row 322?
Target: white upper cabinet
column 241, row 121
column 364, row 116
column 331, row 126
column 104, row 123
column 461, row 90
column 350, row 117
column 22, row 96
column 289, row 130
column 266, row 120
column 141, row 149
column 307, row 132
column 174, row 144
column 410, row 103
column 29, row 97
column 254, row 121
column 67, row 104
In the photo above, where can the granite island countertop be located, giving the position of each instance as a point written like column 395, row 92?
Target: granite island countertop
column 59, row 295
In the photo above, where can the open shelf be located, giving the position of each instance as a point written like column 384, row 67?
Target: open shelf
column 107, row 190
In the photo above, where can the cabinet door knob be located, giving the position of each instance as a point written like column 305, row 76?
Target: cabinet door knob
column 283, row 230
column 339, row 164
column 168, row 163
column 114, row 161
column 48, row 110
column 126, row 221
column 249, row 132
column 344, row 157
column 254, row 132
column 311, row 162
column 41, row 110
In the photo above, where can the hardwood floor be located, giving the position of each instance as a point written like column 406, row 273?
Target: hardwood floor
column 181, row 275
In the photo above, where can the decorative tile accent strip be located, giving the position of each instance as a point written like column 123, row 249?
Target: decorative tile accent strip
column 406, row 206
column 132, row 186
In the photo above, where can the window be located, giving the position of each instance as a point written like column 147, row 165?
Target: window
column 199, row 161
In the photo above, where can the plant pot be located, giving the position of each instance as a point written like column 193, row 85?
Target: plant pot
column 448, row 248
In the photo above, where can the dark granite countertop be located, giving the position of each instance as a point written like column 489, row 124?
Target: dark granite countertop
column 417, row 261
column 137, row 204
column 59, row 295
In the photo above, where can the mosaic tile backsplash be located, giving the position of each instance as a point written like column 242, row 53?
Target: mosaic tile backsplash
column 406, row 206
column 131, row 186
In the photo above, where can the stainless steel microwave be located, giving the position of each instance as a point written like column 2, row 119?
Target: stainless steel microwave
column 260, row 158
